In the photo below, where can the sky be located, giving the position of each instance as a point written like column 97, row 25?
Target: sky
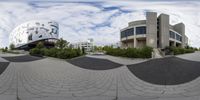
column 98, row 19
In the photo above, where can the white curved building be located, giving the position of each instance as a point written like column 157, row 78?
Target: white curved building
column 29, row 33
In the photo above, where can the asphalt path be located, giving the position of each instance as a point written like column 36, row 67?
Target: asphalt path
column 3, row 66
column 25, row 58
column 166, row 71
column 94, row 63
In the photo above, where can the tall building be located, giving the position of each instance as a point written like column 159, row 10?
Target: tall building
column 155, row 32
column 27, row 35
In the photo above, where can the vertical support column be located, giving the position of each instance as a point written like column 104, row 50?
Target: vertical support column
column 135, row 42
column 174, row 44
column 164, row 30
column 175, row 41
column 151, row 29
column 134, row 39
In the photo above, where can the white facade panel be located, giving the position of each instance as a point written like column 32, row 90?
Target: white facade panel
column 33, row 31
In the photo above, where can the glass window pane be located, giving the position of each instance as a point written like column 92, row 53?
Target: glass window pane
column 141, row 30
column 127, row 32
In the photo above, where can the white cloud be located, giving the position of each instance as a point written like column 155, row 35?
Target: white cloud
column 99, row 20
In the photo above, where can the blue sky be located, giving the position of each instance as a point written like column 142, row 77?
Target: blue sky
column 101, row 19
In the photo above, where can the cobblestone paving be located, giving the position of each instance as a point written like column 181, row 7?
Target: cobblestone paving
column 54, row 79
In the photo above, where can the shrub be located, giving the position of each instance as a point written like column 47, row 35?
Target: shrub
column 68, row 53
column 144, row 52
column 179, row 50
column 61, row 52
column 5, row 49
column 132, row 52
column 35, row 52
column 61, row 43
column 78, row 52
column 52, row 52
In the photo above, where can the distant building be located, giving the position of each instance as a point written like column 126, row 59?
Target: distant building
column 155, row 32
column 87, row 45
column 27, row 35
column 116, row 45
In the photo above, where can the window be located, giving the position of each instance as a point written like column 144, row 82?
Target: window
column 175, row 36
column 40, row 36
column 178, row 37
column 141, row 30
column 127, row 32
column 172, row 34
column 30, row 37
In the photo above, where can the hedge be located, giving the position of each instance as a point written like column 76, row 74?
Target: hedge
column 144, row 52
column 58, row 53
column 178, row 50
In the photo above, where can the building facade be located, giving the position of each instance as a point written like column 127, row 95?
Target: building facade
column 155, row 32
column 87, row 45
column 28, row 34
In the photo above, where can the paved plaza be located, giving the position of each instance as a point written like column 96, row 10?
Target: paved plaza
column 99, row 77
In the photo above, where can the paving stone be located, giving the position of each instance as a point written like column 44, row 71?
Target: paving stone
column 50, row 79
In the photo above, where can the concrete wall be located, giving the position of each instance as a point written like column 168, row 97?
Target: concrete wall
column 128, row 43
column 163, row 30
column 151, row 29
column 141, row 43
column 139, row 22
column 186, row 40
column 180, row 28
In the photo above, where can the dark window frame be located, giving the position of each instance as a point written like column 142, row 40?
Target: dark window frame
column 140, row 30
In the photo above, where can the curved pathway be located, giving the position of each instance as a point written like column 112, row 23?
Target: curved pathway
column 167, row 71
column 24, row 58
column 191, row 56
column 50, row 79
column 94, row 63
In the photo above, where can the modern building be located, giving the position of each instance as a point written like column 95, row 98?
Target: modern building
column 87, row 45
column 155, row 32
column 27, row 35
column 115, row 45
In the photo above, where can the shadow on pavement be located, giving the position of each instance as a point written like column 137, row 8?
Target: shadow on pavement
column 3, row 66
column 25, row 58
column 166, row 71
column 94, row 63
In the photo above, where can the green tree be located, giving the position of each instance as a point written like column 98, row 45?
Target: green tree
column 5, row 49
column 12, row 46
column 40, row 45
column 83, row 50
column 62, row 43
